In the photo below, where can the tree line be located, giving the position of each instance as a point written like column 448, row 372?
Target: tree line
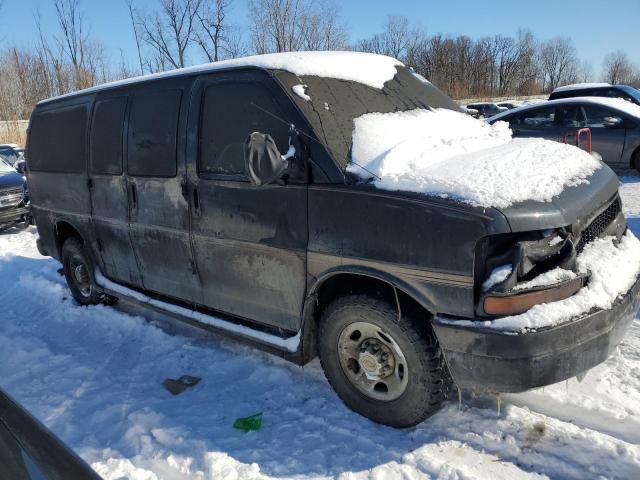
column 178, row 33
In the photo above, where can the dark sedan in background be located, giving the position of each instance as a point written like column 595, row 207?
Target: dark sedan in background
column 13, row 196
column 626, row 92
column 614, row 124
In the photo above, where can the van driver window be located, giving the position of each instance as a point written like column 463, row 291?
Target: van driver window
column 222, row 136
column 153, row 125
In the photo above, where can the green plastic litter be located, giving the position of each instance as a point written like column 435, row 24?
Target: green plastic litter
column 246, row 424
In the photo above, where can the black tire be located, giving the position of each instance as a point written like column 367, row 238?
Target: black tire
column 635, row 161
column 76, row 264
column 429, row 381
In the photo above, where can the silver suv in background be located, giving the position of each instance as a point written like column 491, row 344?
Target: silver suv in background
column 614, row 125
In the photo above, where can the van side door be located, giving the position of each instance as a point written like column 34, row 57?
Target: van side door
column 108, row 187
column 249, row 242
column 156, row 188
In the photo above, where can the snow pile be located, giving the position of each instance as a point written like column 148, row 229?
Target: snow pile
column 614, row 270
column 551, row 277
column 366, row 68
column 450, row 154
column 498, row 275
column 94, row 376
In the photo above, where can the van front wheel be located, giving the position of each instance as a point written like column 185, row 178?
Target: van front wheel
column 386, row 368
column 78, row 271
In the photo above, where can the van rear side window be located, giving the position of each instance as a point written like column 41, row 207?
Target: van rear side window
column 106, row 136
column 153, row 125
column 57, row 140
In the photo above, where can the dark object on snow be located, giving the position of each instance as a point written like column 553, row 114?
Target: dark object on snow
column 29, row 451
column 148, row 181
column 247, row 424
column 176, row 387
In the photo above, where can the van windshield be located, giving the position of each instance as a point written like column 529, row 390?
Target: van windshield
column 332, row 105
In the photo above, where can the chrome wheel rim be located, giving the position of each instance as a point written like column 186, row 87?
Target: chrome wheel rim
column 373, row 361
column 80, row 275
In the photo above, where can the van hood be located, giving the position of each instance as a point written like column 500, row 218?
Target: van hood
column 448, row 154
column 568, row 208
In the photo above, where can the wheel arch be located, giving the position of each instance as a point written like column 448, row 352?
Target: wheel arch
column 65, row 229
column 336, row 283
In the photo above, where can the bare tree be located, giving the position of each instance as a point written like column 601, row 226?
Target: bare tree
column 287, row 25
column 397, row 40
column 585, row 71
column 275, row 25
column 87, row 56
column 168, row 33
column 618, row 68
column 558, row 62
column 320, row 29
column 74, row 38
column 132, row 17
column 212, row 34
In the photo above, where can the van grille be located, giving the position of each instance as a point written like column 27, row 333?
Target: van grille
column 599, row 224
column 11, row 197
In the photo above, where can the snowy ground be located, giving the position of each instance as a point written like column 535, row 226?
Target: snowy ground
column 93, row 375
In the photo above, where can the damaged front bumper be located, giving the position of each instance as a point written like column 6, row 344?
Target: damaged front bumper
column 485, row 359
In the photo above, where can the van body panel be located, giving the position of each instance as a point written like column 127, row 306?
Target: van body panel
column 415, row 232
column 159, row 215
column 109, row 201
column 249, row 242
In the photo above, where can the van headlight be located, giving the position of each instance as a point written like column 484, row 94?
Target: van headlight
column 507, row 264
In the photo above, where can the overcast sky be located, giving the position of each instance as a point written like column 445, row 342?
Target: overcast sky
column 596, row 27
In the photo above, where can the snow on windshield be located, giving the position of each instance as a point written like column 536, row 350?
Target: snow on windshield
column 450, row 154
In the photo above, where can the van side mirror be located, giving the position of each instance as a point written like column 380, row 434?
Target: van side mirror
column 262, row 159
column 612, row 122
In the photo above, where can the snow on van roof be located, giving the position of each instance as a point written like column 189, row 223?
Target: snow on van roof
column 449, row 154
column 366, row 68
column 578, row 86
column 620, row 104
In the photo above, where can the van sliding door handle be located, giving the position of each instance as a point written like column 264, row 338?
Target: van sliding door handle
column 196, row 202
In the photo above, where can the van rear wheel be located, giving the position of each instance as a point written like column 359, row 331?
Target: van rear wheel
column 388, row 369
column 79, row 273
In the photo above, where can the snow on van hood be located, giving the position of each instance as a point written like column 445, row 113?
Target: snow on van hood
column 449, row 154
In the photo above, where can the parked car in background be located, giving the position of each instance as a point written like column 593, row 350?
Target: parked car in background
column 626, row 92
column 510, row 104
column 13, row 196
column 10, row 152
column 29, row 451
column 614, row 124
column 471, row 112
column 486, row 109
